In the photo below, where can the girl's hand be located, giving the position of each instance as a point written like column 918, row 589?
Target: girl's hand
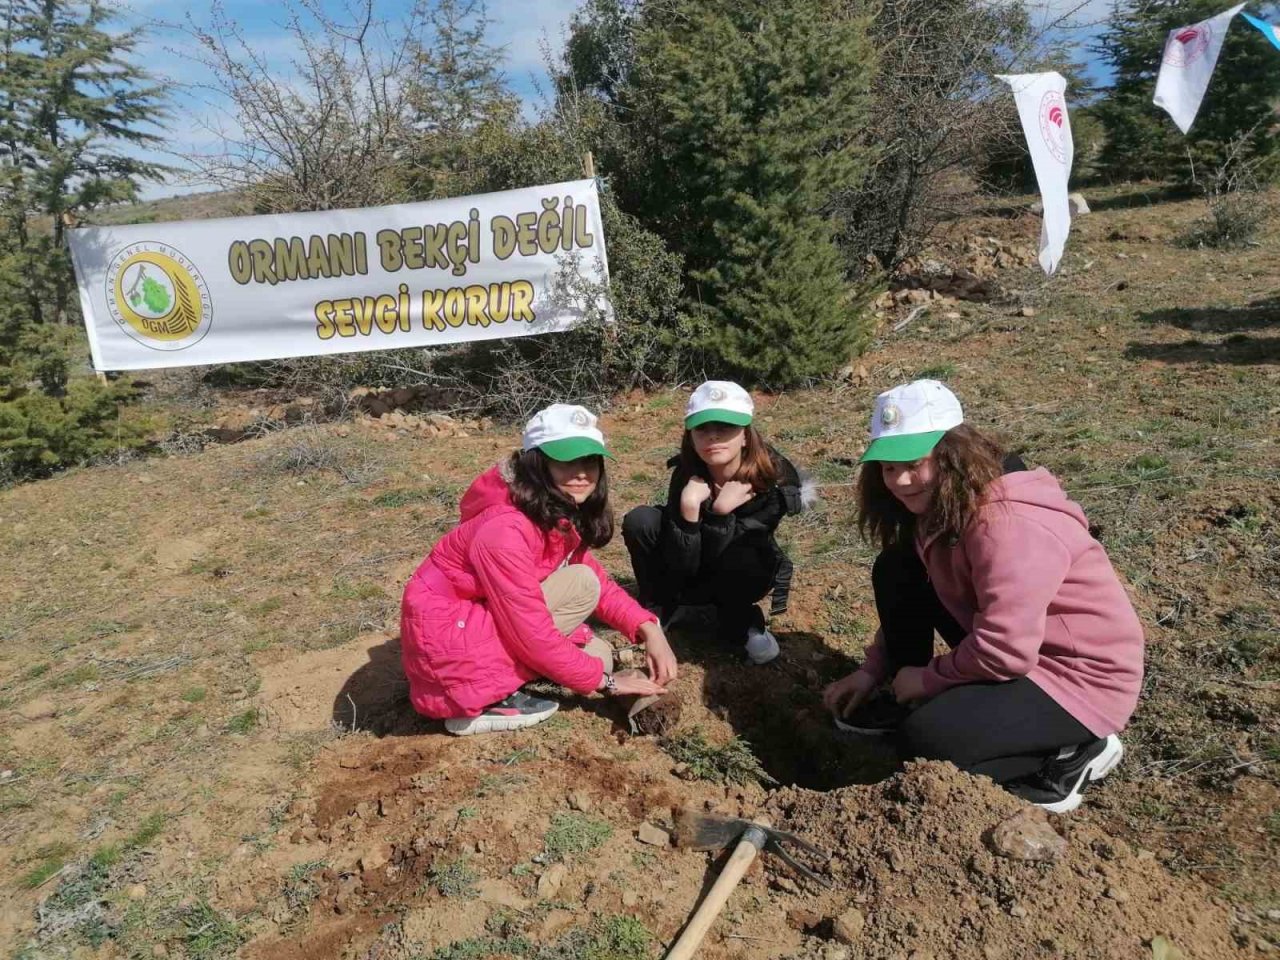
column 633, row 682
column 908, row 685
column 657, row 652
column 696, row 492
column 844, row 696
column 732, row 495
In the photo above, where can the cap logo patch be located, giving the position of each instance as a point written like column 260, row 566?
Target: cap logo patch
column 717, row 394
column 890, row 415
column 579, row 419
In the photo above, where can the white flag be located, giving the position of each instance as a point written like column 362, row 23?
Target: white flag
column 1190, row 54
column 1043, row 111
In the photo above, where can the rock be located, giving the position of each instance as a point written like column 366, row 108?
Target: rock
column 376, row 858
column 652, row 835
column 1077, row 203
column 847, row 928
column 306, row 834
column 1027, row 836
column 833, row 951
column 41, row 709
column 349, row 888
column 555, row 923
column 1118, row 894
column 501, row 893
column 804, row 919
column 630, row 898
column 786, row 885
column 1273, row 914
column 551, row 881
column 159, row 950
column 136, row 892
column 580, row 802
column 1027, row 312
column 1018, row 911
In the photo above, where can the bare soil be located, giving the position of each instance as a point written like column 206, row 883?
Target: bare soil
column 206, row 747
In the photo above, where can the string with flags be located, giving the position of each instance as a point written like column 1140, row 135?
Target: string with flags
column 1187, row 64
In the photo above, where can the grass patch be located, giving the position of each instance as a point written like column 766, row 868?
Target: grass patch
column 497, row 784
column 243, row 722
column 728, row 762
column 356, row 591
column 38, row 875
column 39, row 670
column 208, row 934
column 301, row 887
column 572, row 834
column 194, row 694
column 939, row 371
column 611, row 938
column 453, row 878
column 85, row 673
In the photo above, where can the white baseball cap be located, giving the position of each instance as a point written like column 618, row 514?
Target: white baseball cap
column 719, row 401
column 908, row 421
column 564, row 432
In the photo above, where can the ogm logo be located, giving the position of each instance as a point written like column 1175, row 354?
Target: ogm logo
column 1053, row 124
column 158, row 297
column 1187, row 45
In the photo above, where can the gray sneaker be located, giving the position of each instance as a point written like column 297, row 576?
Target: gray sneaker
column 762, row 646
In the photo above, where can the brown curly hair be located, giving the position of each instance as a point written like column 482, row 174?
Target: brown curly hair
column 967, row 462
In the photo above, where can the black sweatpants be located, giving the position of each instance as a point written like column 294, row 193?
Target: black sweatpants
column 733, row 583
column 1000, row 730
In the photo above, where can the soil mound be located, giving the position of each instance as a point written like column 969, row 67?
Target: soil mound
column 917, row 875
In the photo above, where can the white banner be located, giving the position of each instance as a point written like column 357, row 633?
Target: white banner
column 340, row 281
column 1190, row 55
column 1042, row 108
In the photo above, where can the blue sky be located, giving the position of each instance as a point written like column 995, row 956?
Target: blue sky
column 521, row 27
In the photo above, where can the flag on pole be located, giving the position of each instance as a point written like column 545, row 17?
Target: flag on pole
column 1042, row 107
column 1190, row 54
column 1268, row 30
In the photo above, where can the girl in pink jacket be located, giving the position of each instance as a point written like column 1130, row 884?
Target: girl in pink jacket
column 1045, row 663
column 503, row 598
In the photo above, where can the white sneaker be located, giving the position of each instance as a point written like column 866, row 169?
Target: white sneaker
column 762, row 646
column 513, row 713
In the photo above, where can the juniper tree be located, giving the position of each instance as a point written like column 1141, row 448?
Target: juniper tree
column 1141, row 139
column 752, row 111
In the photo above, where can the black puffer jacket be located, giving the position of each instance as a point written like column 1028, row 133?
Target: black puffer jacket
column 691, row 549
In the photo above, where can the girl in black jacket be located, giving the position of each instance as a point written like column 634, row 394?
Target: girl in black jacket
column 713, row 542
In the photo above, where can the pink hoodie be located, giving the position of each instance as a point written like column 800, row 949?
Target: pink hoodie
column 1039, row 599
column 474, row 625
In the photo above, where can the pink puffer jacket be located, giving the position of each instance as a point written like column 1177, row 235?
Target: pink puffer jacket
column 474, row 625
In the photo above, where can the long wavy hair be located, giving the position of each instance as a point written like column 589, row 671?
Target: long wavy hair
column 967, row 462
column 534, row 493
column 757, row 467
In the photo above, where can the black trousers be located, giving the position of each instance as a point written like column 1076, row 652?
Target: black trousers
column 733, row 584
column 1000, row 730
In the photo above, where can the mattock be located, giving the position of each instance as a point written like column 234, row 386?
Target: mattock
column 696, row 831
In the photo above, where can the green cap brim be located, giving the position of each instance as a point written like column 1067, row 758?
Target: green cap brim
column 571, row 448
column 904, row 447
column 717, row 416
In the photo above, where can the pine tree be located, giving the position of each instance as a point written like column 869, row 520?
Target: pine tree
column 753, row 109
column 1142, row 141
column 71, row 97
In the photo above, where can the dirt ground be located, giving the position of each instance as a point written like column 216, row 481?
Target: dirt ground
column 206, row 748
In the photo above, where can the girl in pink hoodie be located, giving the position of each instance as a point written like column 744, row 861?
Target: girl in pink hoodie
column 1045, row 664
column 503, row 598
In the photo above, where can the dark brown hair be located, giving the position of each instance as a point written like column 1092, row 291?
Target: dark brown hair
column 534, row 493
column 757, row 467
column 966, row 462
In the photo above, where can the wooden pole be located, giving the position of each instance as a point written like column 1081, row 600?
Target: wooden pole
column 589, row 165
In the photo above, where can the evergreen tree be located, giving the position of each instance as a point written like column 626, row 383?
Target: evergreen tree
column 71, row 96
column 1141, row 139
column 752, row 110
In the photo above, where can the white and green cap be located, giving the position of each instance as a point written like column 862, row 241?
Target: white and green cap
column 719, row 401
column 908, row 421
column 564, row 432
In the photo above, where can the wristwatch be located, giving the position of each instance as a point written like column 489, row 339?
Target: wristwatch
column 610, row 684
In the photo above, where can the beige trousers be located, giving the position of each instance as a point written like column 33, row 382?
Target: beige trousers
column 572, row 593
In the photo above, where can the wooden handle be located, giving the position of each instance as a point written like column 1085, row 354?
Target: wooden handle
column 745, row 852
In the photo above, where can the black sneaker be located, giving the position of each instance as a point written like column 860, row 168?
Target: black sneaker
column 877, row 716
column 512, row 713
column 1059, row 785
